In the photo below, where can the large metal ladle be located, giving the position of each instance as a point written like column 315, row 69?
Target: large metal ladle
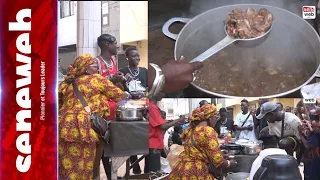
column 251, row 42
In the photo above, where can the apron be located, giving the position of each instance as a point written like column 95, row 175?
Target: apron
column 106, row 73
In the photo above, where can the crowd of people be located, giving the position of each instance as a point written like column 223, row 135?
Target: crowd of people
column 102, row 85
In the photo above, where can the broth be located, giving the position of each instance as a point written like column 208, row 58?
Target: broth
column 253, row 78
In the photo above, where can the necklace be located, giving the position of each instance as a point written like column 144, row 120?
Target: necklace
column 224, row 122
column 134, row 73
column 109, row 66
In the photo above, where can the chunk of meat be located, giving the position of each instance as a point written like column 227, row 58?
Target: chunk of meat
column 248, row 24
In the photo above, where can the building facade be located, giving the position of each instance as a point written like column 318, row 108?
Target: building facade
column 81, row 22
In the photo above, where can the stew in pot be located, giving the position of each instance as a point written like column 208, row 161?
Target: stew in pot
column 252, row 77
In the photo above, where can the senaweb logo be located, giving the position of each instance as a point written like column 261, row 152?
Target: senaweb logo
column 309, row 12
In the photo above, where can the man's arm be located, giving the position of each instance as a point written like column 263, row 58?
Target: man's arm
column 168, row 125
column 295, row 125
column 151, row 76
column 237, row 125
column 240, row 128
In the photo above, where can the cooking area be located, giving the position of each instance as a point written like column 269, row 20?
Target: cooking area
column 255, row 145
column 264, row 70
column 128, row 136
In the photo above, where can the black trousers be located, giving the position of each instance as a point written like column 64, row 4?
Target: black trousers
column 136, row 168
column 107, row 165
column 152, row 161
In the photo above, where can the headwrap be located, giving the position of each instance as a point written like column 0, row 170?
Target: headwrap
column 78, row 67
column 199, row 114
column 204, row 112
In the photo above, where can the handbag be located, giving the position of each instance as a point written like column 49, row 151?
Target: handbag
column 216, row 172
column 98, row 123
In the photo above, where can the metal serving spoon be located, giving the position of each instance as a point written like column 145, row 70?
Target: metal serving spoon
column 251, row 42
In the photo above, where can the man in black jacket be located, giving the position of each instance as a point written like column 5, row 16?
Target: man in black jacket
column 223, row 122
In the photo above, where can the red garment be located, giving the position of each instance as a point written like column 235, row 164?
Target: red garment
column 155, row 132
column 105, row 73
column 102, row 67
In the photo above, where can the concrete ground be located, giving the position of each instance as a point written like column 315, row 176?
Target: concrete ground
column 121, row 170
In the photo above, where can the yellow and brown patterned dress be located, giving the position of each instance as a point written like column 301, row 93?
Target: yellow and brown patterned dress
column 77, row 141
column 193, row 163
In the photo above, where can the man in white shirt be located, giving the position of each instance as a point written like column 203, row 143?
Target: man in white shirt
column 289, row 139
column 244, row 122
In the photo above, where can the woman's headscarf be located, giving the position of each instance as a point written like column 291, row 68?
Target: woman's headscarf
column 204, row 112
column 200, row 114
column 78, row 67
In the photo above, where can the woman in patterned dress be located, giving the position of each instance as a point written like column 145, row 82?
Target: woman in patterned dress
column 77, row 141
column 193, row 162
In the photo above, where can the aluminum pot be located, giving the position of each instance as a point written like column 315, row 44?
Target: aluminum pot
column 193, row 40
column 237, row 176
column 129, row 112
column 232, row 149
column 252, row 148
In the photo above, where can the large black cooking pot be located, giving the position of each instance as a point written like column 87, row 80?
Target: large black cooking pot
column 292, row 41
column 278, row 167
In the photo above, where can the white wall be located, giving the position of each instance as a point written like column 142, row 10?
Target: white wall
column 195, row 102
column 67, row 29
column 180, row 106
column 133, row 21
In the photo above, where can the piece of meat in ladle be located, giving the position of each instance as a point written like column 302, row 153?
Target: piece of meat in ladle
column 248, row 24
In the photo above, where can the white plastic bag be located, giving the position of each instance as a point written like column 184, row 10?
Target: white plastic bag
column 165, row 167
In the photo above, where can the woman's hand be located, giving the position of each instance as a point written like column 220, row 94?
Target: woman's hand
column 178, row 74
column 118, row 77
column 315, row 111
column 128, row 77
column 316, row 126
column 233, row 163
column 137, row 95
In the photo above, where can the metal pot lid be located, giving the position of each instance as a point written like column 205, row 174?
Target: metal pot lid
column 251, row 143
column 232, row 146
column 131, row 104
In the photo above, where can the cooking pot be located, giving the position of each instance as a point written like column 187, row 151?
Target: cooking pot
column 276, row 166
column 250, row 147
column 289, row 33
column 232, row 149
column 130, row 112
column 237, row 176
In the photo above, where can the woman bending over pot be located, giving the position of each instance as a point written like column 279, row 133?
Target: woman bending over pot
column 77, row 140
column 202, row 156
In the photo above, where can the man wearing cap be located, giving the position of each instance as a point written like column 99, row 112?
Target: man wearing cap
column 260, row 124
column 288, row 134
column 223, row 121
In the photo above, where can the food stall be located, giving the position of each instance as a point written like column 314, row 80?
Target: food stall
column 129, row 136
